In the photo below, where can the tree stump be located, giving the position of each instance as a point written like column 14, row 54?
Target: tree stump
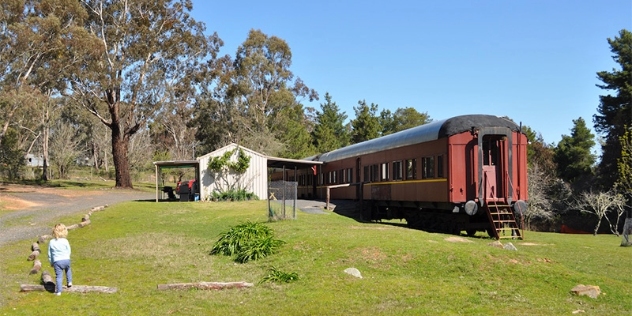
column 204, row 285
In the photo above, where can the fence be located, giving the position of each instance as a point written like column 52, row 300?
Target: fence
column 282, row 200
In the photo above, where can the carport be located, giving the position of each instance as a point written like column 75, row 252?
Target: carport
column 284, row 164
column 159, row 165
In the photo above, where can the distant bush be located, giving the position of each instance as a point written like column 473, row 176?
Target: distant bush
column 247, row 242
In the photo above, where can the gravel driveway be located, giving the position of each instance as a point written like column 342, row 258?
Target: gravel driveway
column 34, row 209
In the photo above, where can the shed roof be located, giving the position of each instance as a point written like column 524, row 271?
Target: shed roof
column 177, row 163
column 276, row 162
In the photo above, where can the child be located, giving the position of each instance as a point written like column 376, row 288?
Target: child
column 59, row 256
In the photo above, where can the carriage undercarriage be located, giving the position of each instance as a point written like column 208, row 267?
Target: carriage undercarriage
column 441, row 218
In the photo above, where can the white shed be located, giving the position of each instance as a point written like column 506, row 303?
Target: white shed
column 254, row 179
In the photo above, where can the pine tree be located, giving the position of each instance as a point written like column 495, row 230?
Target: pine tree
column 366, row 125
column 615, row 108
column 329, row 132
column 572, row 155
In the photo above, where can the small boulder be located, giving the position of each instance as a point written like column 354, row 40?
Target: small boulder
column 353, row 271
column 591, row 291
column 510, row 246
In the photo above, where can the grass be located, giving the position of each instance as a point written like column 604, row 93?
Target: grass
column 136, row 245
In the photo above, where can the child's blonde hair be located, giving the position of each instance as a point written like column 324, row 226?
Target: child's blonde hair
column 60, row 231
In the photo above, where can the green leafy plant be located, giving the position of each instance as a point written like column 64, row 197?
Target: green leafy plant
column 221, row 163
column 248, row 241
column 278, row 276
column 234, row 195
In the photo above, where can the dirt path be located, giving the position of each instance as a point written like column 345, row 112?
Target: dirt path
column 28, row 211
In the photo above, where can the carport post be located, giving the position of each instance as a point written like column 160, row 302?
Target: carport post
column 157, row 182
column 295, row 193
column 284, row 179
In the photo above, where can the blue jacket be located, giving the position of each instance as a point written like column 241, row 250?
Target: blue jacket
column 58, row 249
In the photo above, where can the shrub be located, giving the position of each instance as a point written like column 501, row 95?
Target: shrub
column 234, row 195
column 247, row 241
column 278, row 276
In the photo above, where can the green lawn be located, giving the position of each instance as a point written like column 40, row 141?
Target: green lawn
column 135, row 246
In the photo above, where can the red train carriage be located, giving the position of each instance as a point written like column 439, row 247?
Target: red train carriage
column 464, row 173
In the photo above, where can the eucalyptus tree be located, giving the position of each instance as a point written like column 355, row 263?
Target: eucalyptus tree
column 366, row 124
column 252, row 99
column 402, row 119
column 329, row 130
column 216, row 119
column 137, row 57
column 65, row 146
column 615, row 107
column 34, row 41
column 262, row 86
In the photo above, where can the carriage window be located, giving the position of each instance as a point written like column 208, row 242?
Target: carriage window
column 411, row 169
column 334, row 180
column 440, row 166
column 384, row 172
column 375, row 173
column 397, row 170
column 349, row 175
column 367, row 177
column 490, row 151
column 427, row 167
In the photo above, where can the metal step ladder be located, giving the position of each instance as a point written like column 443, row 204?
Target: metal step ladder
column 503, row 222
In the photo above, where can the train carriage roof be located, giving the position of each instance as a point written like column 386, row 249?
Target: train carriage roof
column 422, row 133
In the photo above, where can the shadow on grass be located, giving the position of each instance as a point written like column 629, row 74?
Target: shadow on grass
column 349, row 209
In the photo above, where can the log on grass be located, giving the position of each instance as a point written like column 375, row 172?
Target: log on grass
column 84, row 223
column 73, row 226
column 42, row 239
column 33, row 255
column 47, row 281
column 36, row 252
column 85, row 218
column 37, row 265
column 204, row 285
column 98, row 208
column 73, row 289
column 47, row 278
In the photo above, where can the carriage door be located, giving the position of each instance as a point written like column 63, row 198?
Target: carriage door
column 494, row 166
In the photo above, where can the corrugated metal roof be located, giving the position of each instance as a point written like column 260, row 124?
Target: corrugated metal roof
column 422, row 133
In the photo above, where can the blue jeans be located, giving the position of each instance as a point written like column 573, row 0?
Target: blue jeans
column 61, row 266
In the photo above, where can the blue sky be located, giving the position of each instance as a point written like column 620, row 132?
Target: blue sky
column 532, row 60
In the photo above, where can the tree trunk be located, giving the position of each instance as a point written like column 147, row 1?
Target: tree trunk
column 120, row 144
column 45, row 146
column 597, row 227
